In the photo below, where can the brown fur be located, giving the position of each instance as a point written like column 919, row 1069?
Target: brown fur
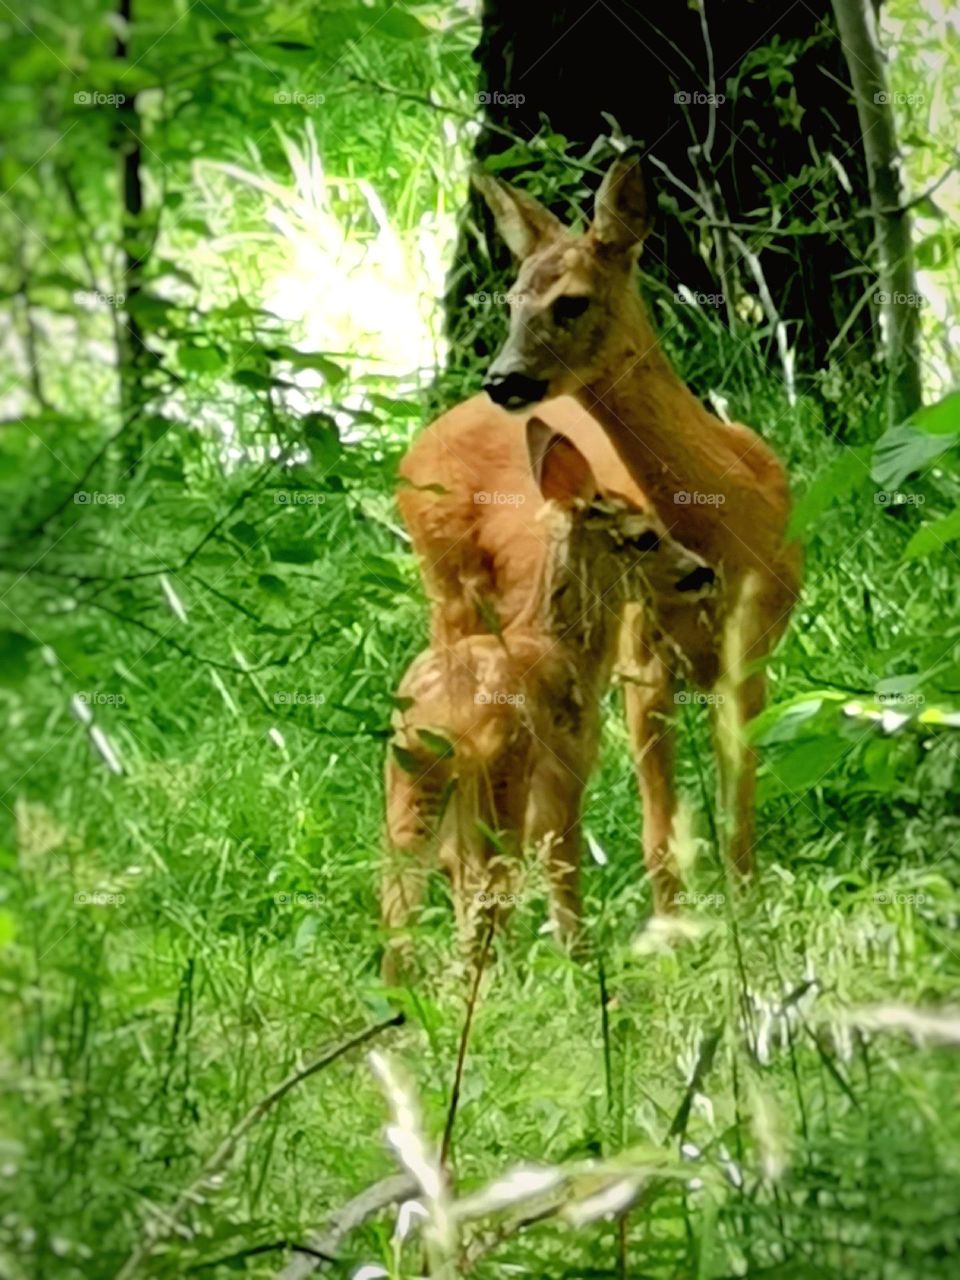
column 504, row 728
column 608, row 359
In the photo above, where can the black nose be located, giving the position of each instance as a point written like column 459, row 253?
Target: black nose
column 514, row 390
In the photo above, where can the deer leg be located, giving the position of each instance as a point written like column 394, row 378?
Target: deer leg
column 737, row 768
column 650, row 710
column 413, row 804
column 553, row 826
column 756, row 623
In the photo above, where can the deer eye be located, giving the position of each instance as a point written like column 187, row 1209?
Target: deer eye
column 569, row 307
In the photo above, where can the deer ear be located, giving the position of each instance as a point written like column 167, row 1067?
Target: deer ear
column 621, row 217
column 522, row 221
column 561, row 471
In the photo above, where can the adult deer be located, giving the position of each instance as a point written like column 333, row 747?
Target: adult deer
column 578, row 328
column 495, row 733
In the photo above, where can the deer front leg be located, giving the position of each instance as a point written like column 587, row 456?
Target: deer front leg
column 754, row 626
column 737, row 768
column 553, row 826
column 648, row 696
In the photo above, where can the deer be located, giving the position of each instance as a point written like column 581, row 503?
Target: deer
column 578, row 328
column 496, row 731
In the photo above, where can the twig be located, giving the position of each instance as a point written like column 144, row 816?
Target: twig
column 204, row 1182
column 322, row 1247
column 462, row 1052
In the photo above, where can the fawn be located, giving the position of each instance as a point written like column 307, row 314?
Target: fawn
column 578, row 328
column 497, row 733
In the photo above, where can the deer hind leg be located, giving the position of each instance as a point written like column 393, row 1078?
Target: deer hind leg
column 648, row 697
column 753, row 629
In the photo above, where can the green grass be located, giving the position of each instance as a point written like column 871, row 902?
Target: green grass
column 243, row 933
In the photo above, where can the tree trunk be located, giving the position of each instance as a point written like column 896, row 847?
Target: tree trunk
column 746, row 120
column 133, row 355
column 898, row 297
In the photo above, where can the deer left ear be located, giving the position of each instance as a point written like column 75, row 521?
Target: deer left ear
column 621, row 218
column 522, row 221
column 561, row 471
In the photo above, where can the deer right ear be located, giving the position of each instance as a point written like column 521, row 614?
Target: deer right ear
column 561, row 471
column 522, row 221
column 621, row 218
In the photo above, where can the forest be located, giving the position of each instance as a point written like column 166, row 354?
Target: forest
column 252, row 249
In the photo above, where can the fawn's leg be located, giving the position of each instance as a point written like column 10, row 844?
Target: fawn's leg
column 553, row 818
column 413, row 815
column 648, row 696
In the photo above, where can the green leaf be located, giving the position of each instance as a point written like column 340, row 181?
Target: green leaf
column 838, row 480
column 295, row 553
column 407, row 761
column 903, row 450
column 933, row 536
column 272, row 584
column 331, row 371
column 401, row 25
column 15, row 650
column 200, row 359
column 436, row 743
column 940, row 419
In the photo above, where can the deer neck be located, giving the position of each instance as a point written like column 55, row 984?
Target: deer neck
column 653, row 419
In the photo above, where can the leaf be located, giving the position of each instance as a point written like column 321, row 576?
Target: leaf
column 401, row 25
column 407, row 761
column 331, row 371
column 272, row 584
column 245, row 532
column 903, row 450
column 295, row 553
column 940, row 419
column 200, row 359
column 15, row 649
column 436, row 743
column 933, row 536
column 838, row 480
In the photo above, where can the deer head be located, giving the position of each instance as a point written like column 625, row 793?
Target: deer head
column 574, row 311
column 605, row 550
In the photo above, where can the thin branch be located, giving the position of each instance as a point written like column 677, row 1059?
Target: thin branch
column 205, row 1182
